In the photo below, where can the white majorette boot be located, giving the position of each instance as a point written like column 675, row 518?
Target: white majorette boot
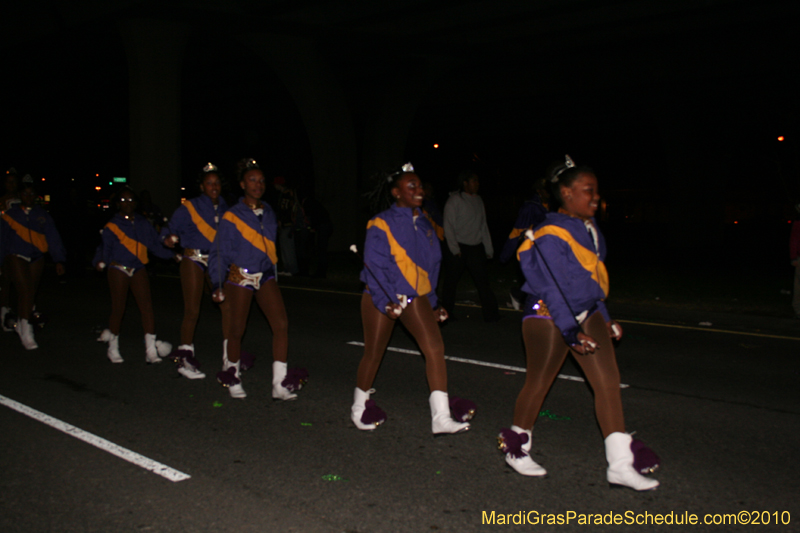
column 441, row 420
column 187, row 364
column 620, row 464
column 113, row 345
column 520, row 460
column 364, row 413
column 25, row 332
column 155, row 349
column 279, row 392
column 113, row 348
column 105, row 335
column 234, row 385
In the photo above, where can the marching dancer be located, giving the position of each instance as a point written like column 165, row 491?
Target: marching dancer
column 194, row 225
column 402, row 255
column 244, row 253
column 127, row 237
column 28, row 232
column 10, row 198
column 566, row 285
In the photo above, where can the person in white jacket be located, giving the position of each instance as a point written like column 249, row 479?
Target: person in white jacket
column 469, row 244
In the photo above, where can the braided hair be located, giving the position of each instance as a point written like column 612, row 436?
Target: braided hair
column 379, row 198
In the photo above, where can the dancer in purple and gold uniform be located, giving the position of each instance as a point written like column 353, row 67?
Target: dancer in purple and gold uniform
column 194, row 225
column 566, row 284
column 127, row 237
column 402, row 255
column 28, row 232
column 244, row 254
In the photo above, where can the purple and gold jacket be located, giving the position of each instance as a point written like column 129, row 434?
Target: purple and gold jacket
column 572, row 278
column 30, row 233
column 126, row 242
column 403, row 257
column 246, row 240
column 196, row 222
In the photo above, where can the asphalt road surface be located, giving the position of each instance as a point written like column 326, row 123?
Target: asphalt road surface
column 719, row 404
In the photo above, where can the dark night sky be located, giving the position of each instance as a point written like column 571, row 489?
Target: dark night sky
column 646, row 101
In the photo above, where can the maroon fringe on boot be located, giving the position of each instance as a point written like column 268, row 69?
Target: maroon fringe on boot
column 295, row 379
column 228, row 377
column 645, row 460
column 372, row 414
column 509, row 441
column 462, row 409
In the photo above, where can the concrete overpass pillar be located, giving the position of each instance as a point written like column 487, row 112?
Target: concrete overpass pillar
column 154, row 49
column 328, row 122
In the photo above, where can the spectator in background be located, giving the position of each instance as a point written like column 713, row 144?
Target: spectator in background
column 321, row 226
column 531, row 214
column 431, row 209
column 10, row 198
column 794, row 255
column 470, row 245
column 285, row 208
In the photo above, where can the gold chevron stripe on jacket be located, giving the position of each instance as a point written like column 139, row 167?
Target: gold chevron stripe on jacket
column 587, row 258
column 203, row 226
column 39, row 240
column 132, row 245
column 414, row 275
column 253, row 237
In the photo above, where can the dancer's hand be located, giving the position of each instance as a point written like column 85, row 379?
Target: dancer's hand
column 100, row 266
column 171, row 241
column 60, row 269
column 586, row 344
column 614, row 330
column 218, row 296
column 441, row 314
column 393, row 310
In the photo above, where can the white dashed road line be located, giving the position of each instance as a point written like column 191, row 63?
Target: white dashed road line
column 105, row 445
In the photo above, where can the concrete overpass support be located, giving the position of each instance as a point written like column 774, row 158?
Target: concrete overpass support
column 154, row 50
column 329, row 124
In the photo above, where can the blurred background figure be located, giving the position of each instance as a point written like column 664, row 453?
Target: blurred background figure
column 321, row 227
column 431, row 208
column 531, row 214
column 285, row 206
column 28, row 232
column 149, row 210
column 470, row 246
column 9, row 198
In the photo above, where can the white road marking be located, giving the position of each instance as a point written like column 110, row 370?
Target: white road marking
column 482, row 363
column 108, row 446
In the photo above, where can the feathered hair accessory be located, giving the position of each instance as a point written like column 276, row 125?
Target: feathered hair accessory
column 568, row 163
column 210, row 167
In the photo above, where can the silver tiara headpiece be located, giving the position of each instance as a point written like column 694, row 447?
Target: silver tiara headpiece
column 568, row 163
column 210, row 167
column 408, row 167
column 251, row 163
